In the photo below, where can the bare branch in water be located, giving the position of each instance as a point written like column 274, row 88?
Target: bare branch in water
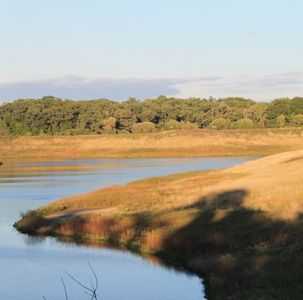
column 65, row 289
column 90, row 291
column 95, row 276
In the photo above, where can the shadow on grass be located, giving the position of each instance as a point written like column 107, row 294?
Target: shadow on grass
column 241, row 253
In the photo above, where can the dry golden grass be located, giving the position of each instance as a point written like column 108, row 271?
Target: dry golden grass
column 267, row 180
column 240, row 228
column 183, row 143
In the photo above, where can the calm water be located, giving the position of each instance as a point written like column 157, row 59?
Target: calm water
column 31, row 268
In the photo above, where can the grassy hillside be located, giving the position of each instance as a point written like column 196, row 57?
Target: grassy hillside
column 241, row 228
column 181, row 143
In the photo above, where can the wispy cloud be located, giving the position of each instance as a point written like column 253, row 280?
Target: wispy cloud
column 260, row 88
column 80, row 88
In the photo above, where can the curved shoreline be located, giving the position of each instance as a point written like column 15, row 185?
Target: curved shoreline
column 228, row 226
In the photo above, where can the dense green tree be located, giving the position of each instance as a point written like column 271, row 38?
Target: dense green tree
column 53, row 116
column 297, row 120
column 257, row 113
column 277, row 108
column 296, row 106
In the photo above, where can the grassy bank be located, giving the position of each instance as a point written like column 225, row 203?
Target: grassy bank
column 240, row 228
column 182, row 143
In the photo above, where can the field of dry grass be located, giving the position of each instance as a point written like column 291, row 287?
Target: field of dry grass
column 182, row 143
column 240, row 228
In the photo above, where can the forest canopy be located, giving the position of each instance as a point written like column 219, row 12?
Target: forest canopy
column 54, row 116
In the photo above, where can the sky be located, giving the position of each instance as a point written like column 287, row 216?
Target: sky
column 85, row 49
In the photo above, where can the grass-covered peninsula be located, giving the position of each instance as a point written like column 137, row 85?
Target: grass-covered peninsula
column 240, row 229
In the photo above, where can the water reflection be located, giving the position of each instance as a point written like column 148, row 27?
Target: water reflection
column 31, row 267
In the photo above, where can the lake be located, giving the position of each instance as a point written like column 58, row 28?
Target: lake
column 32, row 268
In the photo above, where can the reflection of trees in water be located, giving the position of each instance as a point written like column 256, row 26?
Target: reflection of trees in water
column 33, row 240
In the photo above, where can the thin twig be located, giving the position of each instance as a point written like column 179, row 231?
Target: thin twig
column 90, row 291
column 78, row 282
column 95, row 276
column 65, row 289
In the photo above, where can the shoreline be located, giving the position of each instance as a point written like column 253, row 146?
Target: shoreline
column 212, row 223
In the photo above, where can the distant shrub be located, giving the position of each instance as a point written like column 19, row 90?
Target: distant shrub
column 243, row 124
column 297, row 120
column 109, row 125
column 220, row 123
column 172, row 124
column 144, row 127
column 3, row 129
column 281, row 121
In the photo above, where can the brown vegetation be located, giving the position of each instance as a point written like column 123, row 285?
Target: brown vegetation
column 181, row 143
column 239, row 228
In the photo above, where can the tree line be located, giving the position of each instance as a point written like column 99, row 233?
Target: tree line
column 54, row 116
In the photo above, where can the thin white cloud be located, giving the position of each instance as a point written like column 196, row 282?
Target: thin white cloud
column 73, row 87
column 260, row 88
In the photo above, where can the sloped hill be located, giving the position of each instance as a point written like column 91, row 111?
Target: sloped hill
column 241, row 228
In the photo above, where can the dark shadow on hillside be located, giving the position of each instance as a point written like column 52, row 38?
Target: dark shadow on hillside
column 241, row 253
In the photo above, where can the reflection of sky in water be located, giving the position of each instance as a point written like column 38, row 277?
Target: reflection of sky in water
column 27, row 263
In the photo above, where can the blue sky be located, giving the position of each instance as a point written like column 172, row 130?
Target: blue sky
column 96, row 48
